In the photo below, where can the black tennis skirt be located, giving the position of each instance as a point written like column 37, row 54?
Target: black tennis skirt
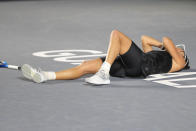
column 128, row 64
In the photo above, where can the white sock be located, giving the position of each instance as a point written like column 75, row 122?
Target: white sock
column 106, row 67
column 49, row 75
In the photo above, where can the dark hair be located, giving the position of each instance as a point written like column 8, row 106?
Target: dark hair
column 187, row 66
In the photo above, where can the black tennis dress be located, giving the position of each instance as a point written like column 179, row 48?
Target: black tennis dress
column 137, row 63
column 155, row 62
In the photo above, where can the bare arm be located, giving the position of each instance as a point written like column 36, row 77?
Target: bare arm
column 177, row 59
column 148, row 42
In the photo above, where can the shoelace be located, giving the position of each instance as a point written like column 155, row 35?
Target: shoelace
column 102, row 74
column 39, row 70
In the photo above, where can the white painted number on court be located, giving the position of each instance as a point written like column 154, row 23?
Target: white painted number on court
column 70, row 56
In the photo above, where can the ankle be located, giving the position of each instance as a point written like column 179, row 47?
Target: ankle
column 106, row 67
column 49, row 75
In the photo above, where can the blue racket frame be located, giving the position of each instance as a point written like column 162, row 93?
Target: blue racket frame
column 3, row 64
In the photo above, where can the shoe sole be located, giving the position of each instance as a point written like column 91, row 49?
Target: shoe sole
column 105, row 83
column 37, row 78
column 26, row 70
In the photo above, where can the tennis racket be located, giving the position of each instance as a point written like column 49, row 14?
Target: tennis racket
column 4, row 64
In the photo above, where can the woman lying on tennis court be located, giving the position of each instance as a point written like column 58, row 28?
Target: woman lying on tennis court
column 124, row 58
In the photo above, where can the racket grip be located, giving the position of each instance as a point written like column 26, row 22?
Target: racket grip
column 14, row 67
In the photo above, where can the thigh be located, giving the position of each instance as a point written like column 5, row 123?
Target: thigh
column 125, row 42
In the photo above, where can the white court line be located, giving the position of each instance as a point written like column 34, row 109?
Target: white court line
column 171, row 82
column 169, row 75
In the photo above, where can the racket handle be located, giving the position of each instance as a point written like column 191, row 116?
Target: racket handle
column 14, row 67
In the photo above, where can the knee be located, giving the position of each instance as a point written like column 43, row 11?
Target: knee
column 115, row 33
column 90, row 66
column 85, row 67
column 81, row 67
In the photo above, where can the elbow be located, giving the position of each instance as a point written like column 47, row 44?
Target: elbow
column 166, row 39
column 143, row 37
column 144, row 40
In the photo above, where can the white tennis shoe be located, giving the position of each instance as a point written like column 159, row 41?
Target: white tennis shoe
column 39, row 77
column 28, row 71
column 33, row 74
column 100, row 78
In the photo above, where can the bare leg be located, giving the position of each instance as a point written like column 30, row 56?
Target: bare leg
column 87, row 67
column 119, row 44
